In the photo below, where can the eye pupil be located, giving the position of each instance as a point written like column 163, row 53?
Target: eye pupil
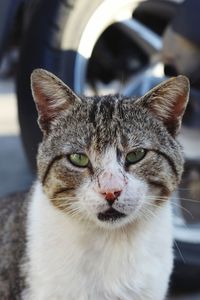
column 135, row 156
column 79, row 159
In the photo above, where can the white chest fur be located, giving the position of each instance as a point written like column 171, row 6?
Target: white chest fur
column 73, row 261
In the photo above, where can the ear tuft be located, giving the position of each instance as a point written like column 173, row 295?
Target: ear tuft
column 51, row 96
column 168, row 102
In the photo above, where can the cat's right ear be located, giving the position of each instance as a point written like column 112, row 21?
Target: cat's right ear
column 167, row 102
column 51, row 95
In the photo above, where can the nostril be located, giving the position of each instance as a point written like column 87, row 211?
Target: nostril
column 117, row 194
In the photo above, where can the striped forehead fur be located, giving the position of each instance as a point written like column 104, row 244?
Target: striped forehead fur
column 104, row 119
column 98, row 112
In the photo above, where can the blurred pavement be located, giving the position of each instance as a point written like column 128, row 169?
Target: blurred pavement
column 14, row 171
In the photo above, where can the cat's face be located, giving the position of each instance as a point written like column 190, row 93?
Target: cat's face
column 109, row 160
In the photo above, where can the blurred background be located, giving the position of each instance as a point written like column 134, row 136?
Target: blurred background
column 99, row 47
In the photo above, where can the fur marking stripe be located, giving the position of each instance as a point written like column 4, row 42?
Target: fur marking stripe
column 63, row 190
column 170, row 161
column 58, row 157
column 160, row 185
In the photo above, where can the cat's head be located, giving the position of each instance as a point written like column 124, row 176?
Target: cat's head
column 109, row 160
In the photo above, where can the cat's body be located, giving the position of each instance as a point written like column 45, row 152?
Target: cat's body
column 99, row 219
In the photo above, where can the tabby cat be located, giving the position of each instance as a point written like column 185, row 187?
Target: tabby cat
column 99, row 218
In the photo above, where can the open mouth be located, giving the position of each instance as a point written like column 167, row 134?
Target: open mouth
column 110, row 215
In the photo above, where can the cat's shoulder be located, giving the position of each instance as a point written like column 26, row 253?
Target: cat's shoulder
column 13, row 210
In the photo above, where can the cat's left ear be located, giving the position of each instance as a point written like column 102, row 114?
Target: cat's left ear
column 168, row 102
column 51, row 95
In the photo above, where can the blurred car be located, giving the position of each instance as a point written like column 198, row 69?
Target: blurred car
column 97, row 47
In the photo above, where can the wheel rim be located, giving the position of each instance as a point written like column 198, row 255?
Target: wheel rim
column 122, row 16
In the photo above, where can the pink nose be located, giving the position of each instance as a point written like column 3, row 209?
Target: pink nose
column 111, row 196
column 110, row 185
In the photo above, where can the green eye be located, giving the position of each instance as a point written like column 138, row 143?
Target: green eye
column 79, row 160
column 135, row 156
